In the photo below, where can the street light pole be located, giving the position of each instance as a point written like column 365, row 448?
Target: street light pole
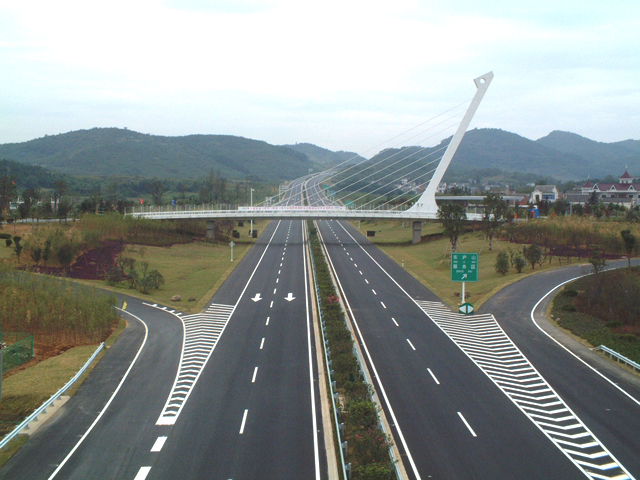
column 252, row 209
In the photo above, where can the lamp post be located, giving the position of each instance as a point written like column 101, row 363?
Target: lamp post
column 252, row 212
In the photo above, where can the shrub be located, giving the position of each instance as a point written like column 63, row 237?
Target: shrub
column 502, row 263
column 65, row 254
column 8, row 242
column 569, row 308
column 519, row 263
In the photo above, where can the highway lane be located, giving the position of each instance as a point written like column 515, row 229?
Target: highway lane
column 613, row 416
column 253, row 412
column 119, row 441
column 526, row 448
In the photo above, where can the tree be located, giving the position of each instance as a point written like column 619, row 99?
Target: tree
column 630, row 243
column 493, row 214
column 453, row 218
column 533, row 255
column 597, row 260
column 156, row 190
column 502, row 263
column 8, row 191
column 64, row 208
column 59, row 192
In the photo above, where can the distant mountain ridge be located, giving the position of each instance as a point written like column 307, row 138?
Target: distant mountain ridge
column 114, row 151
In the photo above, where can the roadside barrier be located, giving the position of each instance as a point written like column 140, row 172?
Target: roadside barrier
column 42, row 409
column 619, row 358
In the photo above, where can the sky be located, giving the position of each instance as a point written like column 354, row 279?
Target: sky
column 344, row 75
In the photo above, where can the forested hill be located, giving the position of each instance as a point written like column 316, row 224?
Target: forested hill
column 114, row 151
column 324, row 157
column 560, row 155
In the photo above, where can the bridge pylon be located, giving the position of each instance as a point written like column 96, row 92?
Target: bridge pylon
column 426, row 204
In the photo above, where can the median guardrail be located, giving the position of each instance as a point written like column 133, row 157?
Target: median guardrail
column 42, row 409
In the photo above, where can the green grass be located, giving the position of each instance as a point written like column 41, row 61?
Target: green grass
column 429, row 261
column 25, row 390
column 190, row 270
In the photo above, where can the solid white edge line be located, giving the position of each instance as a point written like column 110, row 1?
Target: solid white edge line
column 171, row 421
column 104, row 409
column 316, row 448
column 632, row 398
column 467, row 424
column 244, row 420
column 373, row 367
column 159, row 443
column 434, row 377
column 142, row 473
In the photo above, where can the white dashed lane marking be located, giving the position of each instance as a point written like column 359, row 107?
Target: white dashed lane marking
column 159, row 443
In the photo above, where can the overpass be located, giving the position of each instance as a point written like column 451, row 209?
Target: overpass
column 423, row 209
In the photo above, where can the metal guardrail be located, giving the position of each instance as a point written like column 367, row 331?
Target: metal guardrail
column 619, row 358
column 39, row 411
column 334, row 394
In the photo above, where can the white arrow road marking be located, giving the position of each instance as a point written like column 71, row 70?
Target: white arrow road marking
column 256, row 298
column 289, row 297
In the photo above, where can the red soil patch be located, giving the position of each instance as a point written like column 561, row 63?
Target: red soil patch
column 91, row 265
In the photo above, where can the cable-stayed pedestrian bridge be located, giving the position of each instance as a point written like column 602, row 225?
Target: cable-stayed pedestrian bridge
column 399, row 183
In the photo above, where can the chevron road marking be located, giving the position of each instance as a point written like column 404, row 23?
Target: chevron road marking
column 201, row 332
column 488, row 346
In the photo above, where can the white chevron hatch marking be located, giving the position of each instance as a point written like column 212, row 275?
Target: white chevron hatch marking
column 201, row 333
column 488, row 346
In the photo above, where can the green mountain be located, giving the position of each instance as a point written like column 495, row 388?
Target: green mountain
column 113, row 151
column 326, row 158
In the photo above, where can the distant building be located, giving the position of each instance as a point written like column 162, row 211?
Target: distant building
column 547, row 193
column 625, row 192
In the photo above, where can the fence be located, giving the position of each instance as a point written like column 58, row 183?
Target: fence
column 617, row 357
column 18, row 351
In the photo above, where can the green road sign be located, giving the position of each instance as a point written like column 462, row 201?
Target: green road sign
column 466, row 308
column 464, row 267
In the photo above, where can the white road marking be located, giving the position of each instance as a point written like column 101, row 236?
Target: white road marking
column 366, row 281
column 97, row 419
column 411, row 344
column 157, row 446
column 244, row 419
column 271, row 306
column 355, row 265
column 274, row 290
column 467, row 424
column 383, row 305
column 142, row 473
column 434, row 377
column 279, row 271
column 394, row 321
column 277, row 280
column 360, row 272
column 281, row 265
column 262, row 343
column 255, row 372
column 267, row 321
column 374, row 292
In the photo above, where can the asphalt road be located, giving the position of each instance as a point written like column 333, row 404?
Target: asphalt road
column 454, row 417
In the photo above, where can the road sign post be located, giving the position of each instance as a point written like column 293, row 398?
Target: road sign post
column 464, row 268
column 232, row 244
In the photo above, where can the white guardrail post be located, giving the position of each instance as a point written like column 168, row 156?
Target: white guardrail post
column 619, row 358
column 34, row 416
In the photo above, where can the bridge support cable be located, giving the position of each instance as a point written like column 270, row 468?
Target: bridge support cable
column 427, row 202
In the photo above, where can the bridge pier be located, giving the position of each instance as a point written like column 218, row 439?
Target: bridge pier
column 417, row 232
column 211, row 230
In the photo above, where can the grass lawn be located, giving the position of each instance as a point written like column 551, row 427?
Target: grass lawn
column 25, row 390
column 429, row 261
column 190, row 270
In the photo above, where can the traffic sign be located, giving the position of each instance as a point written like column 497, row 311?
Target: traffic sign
column 464, row 267
column 466, row 308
